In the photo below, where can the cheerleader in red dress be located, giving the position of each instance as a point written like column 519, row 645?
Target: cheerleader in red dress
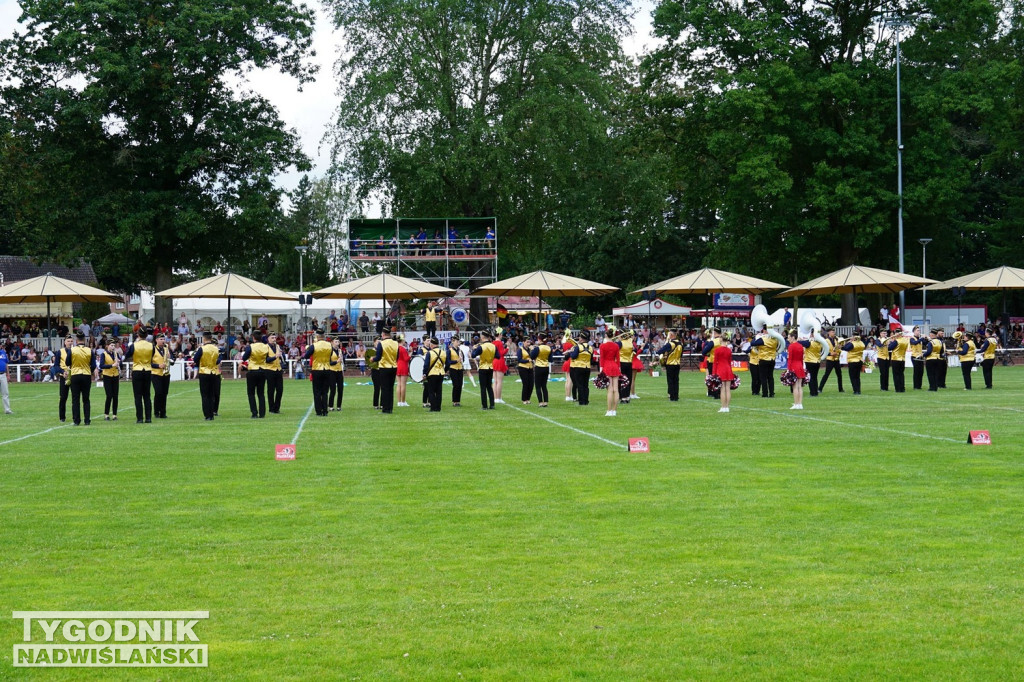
column 608, row 353
column 403, row 371
column 795, row 364
column 638, row 367
column 499, row 366
column 722, row 367
column 567, row 346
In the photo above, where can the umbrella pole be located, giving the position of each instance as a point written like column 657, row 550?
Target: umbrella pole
column 49, row 334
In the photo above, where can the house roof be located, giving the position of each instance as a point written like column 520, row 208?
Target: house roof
column 15, row 269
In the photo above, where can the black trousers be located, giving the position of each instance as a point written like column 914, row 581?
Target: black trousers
column 431, row 328
column 111, row 387
column 672, row 380
column 767, row 371
column 217, row 381
column 375, row 380
column 812, row 373
column 755, row 377
column 486, row 388
column 207, row 393
column 899, row 368
column 883, row 374
column 321, row 383
column 256, row 387
column 387, row 389
column 986, row 371
column 434, row 383
column 81, row 384
column 943, row 370
column 161, row 387
column 426, row 393
column 457, row 376
column 626, row 370
column 336, row 389
column 931, row 368
column 965, row 368
column 141, row 382
column 526, row 376
column 832, row 366
column 918, row 373
column 275, row 389
column 540, row 382
column 581, row 384
column 855, row 368
column 65, row 391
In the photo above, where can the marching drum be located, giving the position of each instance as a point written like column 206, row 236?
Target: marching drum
column 416, row 368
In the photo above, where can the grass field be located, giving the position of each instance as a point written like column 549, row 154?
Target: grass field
column 858, row 539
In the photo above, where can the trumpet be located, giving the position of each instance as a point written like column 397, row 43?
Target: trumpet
column 567, row 335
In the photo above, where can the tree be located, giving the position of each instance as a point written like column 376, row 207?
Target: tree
column 148, row 158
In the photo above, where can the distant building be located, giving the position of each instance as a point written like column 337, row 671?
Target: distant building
column 15, row 269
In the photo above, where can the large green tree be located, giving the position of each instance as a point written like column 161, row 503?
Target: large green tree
column 142, row 147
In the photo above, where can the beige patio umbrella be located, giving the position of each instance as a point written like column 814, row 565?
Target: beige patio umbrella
column 857, row 279
column 1002, row 279
column 229, row 286
column 542, row 283
column 47, row 288
column 708, row 281
column 383, row 286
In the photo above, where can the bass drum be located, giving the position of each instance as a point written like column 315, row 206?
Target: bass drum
column 416, row 368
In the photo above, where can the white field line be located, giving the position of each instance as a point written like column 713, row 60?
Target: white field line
column 295, row 438
column 39, row 433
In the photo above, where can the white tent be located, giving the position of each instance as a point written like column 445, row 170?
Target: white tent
column 657, row 307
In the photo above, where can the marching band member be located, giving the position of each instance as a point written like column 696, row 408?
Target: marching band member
column 707, row 351
column 608, row 354
column 163, row 359
column 453, row 365
column 387, row 359
column 770, row 346
column 541, row 356
column 275, row 376
column 319, row 353
column 430, row 319
column 832, row 361
column 965, row 349
column 882, row 349
column 854, row 361
column 638, row 367
column 579, row 367
column 722, row 356
column 336, row 384
column 988, row 349
column 816, row 346
column 110, row 370
column 485, row 352
column 525, row 368
column 82, row 367
column 141, row 355
column 917, row 343
column 795, row 364
column 207, row 362
column 626, row 353
column 64, row 376
column 375, row 379
column 256, row 354
column 671, row 354
column 898, row 347
column 931, row 353
column 499, row 366
column 940, row 335
column 754, row 366
column 433, row 373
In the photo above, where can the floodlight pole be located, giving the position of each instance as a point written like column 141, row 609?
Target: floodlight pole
column 924, row 291
column 897, row 24
column 302, row 304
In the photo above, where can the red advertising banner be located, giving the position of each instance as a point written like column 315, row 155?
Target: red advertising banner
column 639, row 445
column 283, row 453
column 979, row 438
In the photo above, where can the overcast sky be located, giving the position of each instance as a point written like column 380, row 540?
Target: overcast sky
column 311, row 110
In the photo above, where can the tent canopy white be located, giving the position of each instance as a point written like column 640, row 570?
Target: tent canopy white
column 655, row 307
column 217, row 308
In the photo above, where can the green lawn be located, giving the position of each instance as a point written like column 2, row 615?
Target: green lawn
column 858, row 539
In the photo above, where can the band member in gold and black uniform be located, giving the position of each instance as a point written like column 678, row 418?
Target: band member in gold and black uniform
column 541, row 356
column 940, row 335
column 163, row 359
column 882, row 358
column 966, row 349
column 64, row 376
column 453, row 365
column 257, row 354
column 433, row 373
column 320, row 355
column 110, row 369
column 387, row 361
column 988, row 349
column 812, row 362
column 917, row 344
column 626, row 362
column 579, row 367
column 485, row 352
column 207, row 363
column 770, row 346
column 336, row 387
column 82, row 367
column 832, row 362
column 754, row 367
column 141, row 355
column 525, row 366
column 931, row 352
column 898, row 346
column 275, row 376
column 854, row 361
column 671, row 353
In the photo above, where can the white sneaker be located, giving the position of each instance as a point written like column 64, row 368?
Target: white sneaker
column 568, row 399
column 794, row 407
column 723, row 409
column 634, row 396
column 500, row 401
column 800, row 406
column 610, row 413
